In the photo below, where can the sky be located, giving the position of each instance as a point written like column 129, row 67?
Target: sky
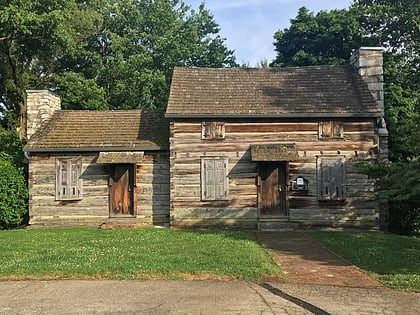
column 249, row 25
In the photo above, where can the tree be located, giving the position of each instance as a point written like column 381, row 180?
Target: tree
column 101, row 54
column 141, row 43
column 34, row 37
column 397, row 25
column 327, row 37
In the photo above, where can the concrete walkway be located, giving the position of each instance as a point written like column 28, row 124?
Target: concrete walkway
column 306, row 261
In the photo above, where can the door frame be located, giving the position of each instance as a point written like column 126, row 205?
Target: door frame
column 283, row 168
column 131, row 187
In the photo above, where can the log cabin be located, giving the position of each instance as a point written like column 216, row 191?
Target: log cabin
column 275, row 148
column 266, row 149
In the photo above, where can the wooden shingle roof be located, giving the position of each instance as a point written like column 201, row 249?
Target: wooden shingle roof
column 84, row 130
column 315, row 91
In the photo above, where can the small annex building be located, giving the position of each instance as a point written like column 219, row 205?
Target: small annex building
column 237, row 148
column 89, row 167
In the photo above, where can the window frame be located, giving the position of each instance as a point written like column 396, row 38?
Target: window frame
column 216, row 179
column 331, row 177
column 71, row 169
column 213, row 130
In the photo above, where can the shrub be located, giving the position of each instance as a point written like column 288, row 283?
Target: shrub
column 11, row 145
column 13, row 193
column 401, row 183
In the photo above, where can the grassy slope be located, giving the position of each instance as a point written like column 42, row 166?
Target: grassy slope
column 393, row 259
column 132, row 254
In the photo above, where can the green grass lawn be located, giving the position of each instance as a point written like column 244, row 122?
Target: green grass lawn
column 393, row 259
column 91, row 253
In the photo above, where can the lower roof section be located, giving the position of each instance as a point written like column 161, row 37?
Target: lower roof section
column 274, row 152
column 120, row 157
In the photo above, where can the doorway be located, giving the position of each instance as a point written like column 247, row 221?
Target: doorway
column 121, row 182
column 272, row 190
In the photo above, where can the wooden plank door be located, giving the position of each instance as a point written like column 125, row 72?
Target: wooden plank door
column 122, row 189
column 272, row 189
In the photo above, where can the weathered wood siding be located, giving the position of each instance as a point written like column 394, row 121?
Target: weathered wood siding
column 240, row 209
column 151, row 191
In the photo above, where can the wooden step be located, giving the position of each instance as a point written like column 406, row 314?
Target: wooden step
column 277, row 226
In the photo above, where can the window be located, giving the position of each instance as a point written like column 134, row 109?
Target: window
column 330, row 130
column 331, row 177
column 68, row 181
column 212, row 130
column 214, row 179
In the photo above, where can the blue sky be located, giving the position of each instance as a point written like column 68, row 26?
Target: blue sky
column 249, row 25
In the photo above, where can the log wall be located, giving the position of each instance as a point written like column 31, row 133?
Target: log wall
column 360, row 142
column 151, row 191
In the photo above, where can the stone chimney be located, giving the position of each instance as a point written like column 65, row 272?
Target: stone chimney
column 40, row 105
column 368, row 61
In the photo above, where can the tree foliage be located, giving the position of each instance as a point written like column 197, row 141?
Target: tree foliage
column 101, row 54
column 396, row 23
column 327, row 37
column 34, row 38
column 13, row 194
column 13, row 190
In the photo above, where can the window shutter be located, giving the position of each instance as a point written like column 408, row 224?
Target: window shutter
column 326, row 184
column 331, row 178
column 214, row 182
column 219, row 184
column 337, row 129
column 209, row 180
column 330, row 130
column 68, row 182
column 338, row 179
column 325, row 129
column 61, row 179
column 205, row 130
column 212, row 130
column 75, row 181
column 219, row 130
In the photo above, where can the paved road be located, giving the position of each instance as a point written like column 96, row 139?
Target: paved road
column 198, row 297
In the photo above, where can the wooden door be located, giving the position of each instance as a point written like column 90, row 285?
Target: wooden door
column 272, row 189
column 122, row 189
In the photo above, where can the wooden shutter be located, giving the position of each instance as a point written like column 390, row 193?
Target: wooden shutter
column 208, row 180
column 219, row 179
column 68, row 181
column 205, row 130
column 337, row 129
column 219, row 130
column 214, row 182
column 61, row 179
column 325, row 129
column 212, row 130
column 331, row 178
column 330, row 130
column 75, row 186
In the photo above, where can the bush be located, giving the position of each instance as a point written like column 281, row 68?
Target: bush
column 401, row 183
column 13, row 193
column 11, row 145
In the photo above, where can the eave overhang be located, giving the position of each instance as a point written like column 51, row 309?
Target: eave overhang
column 281, row 116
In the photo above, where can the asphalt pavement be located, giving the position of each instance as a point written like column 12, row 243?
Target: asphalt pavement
column 198, row 297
